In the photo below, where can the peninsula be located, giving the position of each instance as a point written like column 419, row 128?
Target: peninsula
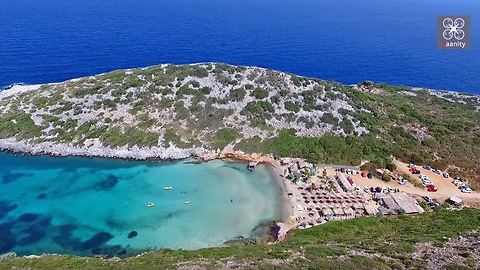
column 173, row 112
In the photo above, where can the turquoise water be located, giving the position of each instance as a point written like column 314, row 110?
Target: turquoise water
column 88, row 206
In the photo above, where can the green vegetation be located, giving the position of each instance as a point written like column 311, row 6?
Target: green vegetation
column 328, row 148
column 224, row 136
column 291, row 106
column 18, row 125
column 363, row 243
column 259, row 93
column 329, row 119
column 448, row 128
column 258, row 110
column 237, row 94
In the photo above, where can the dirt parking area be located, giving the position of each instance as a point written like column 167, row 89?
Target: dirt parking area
column 445, row 186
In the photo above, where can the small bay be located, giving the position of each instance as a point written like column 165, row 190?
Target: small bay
column 88, row 206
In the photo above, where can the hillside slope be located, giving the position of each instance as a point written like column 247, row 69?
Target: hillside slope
column 179, row 110
column 436, row 240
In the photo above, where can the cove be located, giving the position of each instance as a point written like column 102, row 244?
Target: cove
column 88, row 206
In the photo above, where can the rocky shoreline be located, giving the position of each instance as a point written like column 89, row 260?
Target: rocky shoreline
column 133, row 153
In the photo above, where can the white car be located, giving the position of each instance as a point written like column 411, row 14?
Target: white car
column 424, row 177
column 411, row 166
column 300, row 208
column 427, row 182
column 466, row 190
column 446, row 175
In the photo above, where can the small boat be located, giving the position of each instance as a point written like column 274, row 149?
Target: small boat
column 167, row 187
column 188, row 202
column 150, row 204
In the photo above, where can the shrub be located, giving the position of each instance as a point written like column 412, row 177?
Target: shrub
column 329, row 118
column 293, row 107
column 258, row 108
column 371, row 166
column 296, row 81
column 386, row 177
column 391, row 167
column 259, row 93
column 249, row 86
column 205, row 90
column 237, row 94
column 224, row 136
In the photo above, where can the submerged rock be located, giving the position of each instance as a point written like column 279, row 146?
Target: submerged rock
column 7, row 240
column 109, row 183
column 132, row 234
column 97, row 240
column 5, row 208
column 12, row 177
column 28, row 217
column 32, row 237
column 42, row 196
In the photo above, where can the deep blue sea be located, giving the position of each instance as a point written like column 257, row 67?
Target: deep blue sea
column 87, row 206
column 344, row 40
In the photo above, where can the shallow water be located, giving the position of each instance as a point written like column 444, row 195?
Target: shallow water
column 85, row 206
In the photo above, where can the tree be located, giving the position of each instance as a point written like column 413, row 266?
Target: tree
column 391, row 167
column 386, row 177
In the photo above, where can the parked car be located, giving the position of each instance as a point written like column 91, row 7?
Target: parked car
column 437, row 171
column 427, row 198
column 434, row 204
column 431, row 188
column 427, row 182
column 426, row 167
column 403, row 181
column 414, row 171
column 424, row 177
column 457, row 182
column 446, row 175
column 411, row 166
column 466, row 190
column 350, row 180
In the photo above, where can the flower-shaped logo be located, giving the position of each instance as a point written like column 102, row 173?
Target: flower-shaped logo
column 453, row 28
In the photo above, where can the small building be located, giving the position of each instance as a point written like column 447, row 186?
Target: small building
column 395, row 203
column 407, row 203
column 455, row 201
column 371, row 209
